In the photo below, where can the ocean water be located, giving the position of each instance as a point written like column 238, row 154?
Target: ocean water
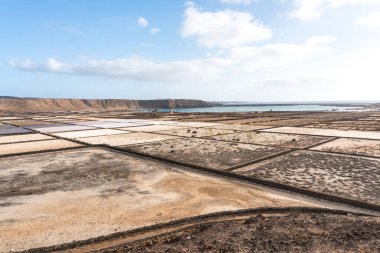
column 263, row 108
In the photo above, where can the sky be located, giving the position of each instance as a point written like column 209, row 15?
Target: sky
column 215, row 50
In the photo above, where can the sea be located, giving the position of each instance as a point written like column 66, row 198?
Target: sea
column 265, row 108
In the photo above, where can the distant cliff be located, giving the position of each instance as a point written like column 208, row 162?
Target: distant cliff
column 10, row 104
column 376, row 106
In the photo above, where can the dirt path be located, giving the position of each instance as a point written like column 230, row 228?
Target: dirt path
column 296, row 232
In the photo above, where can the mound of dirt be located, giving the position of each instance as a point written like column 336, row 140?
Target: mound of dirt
column 291, row 233
column 53, row 105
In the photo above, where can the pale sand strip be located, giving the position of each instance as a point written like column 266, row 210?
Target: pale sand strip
column 23, row 137
column 89, row 133
column 14, row 148
column 62, row 129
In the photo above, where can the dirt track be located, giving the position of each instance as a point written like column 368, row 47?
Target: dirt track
column 290, row 233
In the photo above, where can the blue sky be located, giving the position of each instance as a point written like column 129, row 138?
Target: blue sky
column 256, row 50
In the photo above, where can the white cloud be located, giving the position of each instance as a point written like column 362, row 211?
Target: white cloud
column 51, row 65
column 320, row 40
column 371, row 21
column 308, row 10
column 142, row 22
column 245, row 2
column 155, row 30
column 279, row 54
column 139, row 69
column 207, row 69
column 305, row 71
column 222, row 29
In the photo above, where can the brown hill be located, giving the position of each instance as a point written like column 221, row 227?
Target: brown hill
column 52, row 104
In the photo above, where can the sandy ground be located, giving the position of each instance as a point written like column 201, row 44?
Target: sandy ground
column 50, row 125
column 273, row 139
column 63, row 120
column 23, row 138
column 256, row 120
column 25, row 122
column 206, row 153
column 193, row 124
column 53, row 198
column 366, row 123
column 154, row 122
column 118, row 120
column 327, row 132
column 280, row 119
column 240, row 127
column 197, row 132
column 43, row 145
column 126, row 139
column 351, row 146
column 350, row 177
column 130, row 120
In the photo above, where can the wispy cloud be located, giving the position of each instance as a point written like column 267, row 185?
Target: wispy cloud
column 372, row 20
column 308, row 10
column 245, row 2
column 145, row 44
column 155, row 30
column 207, row 69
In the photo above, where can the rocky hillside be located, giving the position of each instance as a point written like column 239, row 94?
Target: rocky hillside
column 51, row 105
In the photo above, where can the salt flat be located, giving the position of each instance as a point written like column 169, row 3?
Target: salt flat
column 95, row 192
column 272, row 139
column 212, row 154
column 152, row 128
column 351, row 177
column 89, row 133
column 351, row 146
column 327, row 132
column 85, row 191
column 126, row 139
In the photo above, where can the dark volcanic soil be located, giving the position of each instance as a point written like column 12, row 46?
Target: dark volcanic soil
column 293, row 233
column 352, row 177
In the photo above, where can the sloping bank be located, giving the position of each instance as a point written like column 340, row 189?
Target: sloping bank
column 52, row 104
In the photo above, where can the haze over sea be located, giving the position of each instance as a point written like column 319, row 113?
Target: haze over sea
column 265, row 108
